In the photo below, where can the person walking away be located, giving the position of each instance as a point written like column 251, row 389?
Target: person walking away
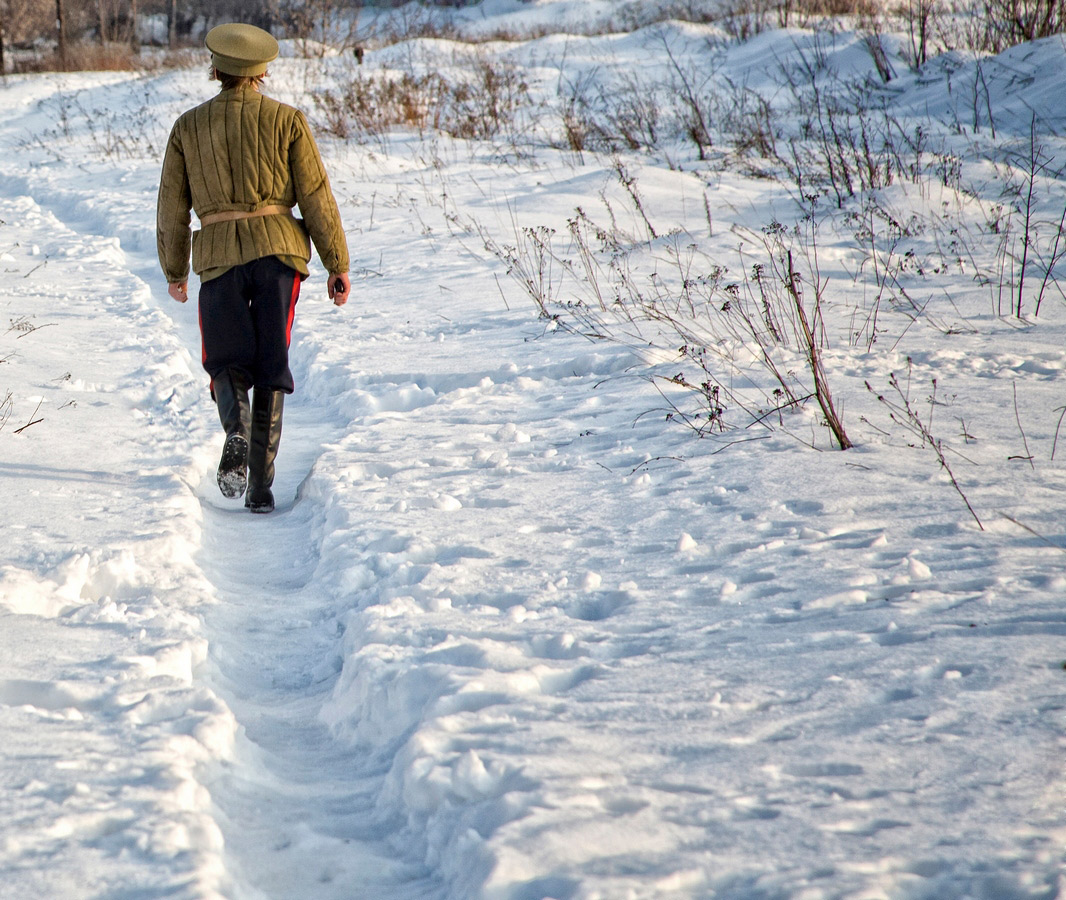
column 242, row 161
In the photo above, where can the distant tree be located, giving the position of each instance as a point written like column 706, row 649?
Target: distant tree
column 328, row 21
column 1017, row 21
column 992, row 26
column 918, row 14
column 263, row 13
column 25, row 20
column 61, row 35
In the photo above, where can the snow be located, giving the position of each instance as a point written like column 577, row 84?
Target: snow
column 510, row 634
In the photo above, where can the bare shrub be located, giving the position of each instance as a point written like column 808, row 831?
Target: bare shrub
column 781, row 307
column 744, row 19
column 1010, row 22
column 920, row 18
column 872, row 29
column 747, row 116
column 486, row 104
column 530, row 263
column 734, row 346
column 845, row 142
column 902, row 411
column 625, row 115
column 637, row 14
column 1034, row 164
column 986, row 26
column 576, row 125
column 690, row 85
column 634, row 114
column 412, row 21
column 1017, row 251
column 369, row 105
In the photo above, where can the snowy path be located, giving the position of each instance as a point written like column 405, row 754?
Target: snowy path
column 506, row 637
column 294, row 807
column 292, row 810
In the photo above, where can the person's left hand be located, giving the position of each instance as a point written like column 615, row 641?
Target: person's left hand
column 179, row 290
column 339, row 287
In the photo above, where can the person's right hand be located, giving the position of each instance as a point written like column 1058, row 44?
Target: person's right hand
column 339, row 287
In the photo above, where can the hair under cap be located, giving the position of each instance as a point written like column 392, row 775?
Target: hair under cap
column 239, row 49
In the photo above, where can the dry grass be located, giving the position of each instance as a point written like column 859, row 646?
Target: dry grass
column 85, row 57
column 486, row 103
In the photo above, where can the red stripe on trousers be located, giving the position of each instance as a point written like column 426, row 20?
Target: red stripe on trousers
column 203, row 349
column 292, row 308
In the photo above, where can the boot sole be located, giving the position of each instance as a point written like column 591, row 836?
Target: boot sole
column 233, row 467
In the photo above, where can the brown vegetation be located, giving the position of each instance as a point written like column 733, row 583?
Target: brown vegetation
column 76, row 34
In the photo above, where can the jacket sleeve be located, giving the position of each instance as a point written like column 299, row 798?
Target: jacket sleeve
column 173, row 206
column 315, row 198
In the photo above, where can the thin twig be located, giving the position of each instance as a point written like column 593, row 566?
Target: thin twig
column 1018, row 419
column 656, row 459
column 1055, row 442
column 1034, row 533
column 36, row 267
column 32, row 420
column 1051, row 264
column 761, row 437
column 34, row 328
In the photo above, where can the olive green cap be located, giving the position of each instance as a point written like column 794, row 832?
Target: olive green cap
column 238, row 49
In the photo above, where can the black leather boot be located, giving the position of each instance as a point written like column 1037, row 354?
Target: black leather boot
column 265, row 440
column 231, row 395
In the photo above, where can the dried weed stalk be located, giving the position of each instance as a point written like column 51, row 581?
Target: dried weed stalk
column 901, row 411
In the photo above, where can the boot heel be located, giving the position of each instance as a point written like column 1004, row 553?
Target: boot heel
column 260, row 500
column 232, row 474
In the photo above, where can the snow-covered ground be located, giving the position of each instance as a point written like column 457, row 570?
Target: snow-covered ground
column 511, row 635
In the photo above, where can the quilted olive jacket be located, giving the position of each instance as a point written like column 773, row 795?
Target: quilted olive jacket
column 243, row 151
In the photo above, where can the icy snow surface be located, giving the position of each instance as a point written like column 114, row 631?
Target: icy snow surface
column 510, row 635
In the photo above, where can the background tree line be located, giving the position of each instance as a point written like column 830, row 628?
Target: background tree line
column 57, row 32
column 39, row 34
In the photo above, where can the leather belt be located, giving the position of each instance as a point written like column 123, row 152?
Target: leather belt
column 232, row 215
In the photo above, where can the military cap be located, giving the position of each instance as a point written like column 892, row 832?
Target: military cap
column 239, row 49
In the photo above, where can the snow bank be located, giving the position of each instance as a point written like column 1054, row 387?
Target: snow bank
column 510, row 635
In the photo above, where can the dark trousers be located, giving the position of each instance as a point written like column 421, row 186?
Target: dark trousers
column 246, row 322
